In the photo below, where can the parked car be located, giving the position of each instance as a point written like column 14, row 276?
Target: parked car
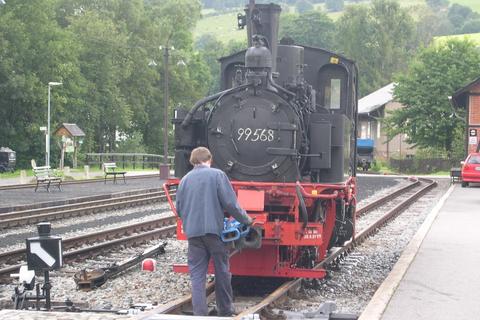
column 471, row 169
column 7, row 159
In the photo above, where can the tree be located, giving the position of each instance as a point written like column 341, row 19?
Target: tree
column 103, row 65
column 33, row 52
column 211, row 50
column 313, row 28
column 334, row 5
column 462, row 17
column 431, row 23
column 380, row 38
column 304, row 6
column 100, row 51
column 438, row 4
column 472, row 26
column 428, row 118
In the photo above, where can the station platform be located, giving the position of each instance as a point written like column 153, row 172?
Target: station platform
column 437, row 275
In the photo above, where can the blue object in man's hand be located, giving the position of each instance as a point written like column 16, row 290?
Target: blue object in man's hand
column 233, row 230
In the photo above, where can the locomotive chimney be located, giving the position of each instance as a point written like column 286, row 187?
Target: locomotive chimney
column 263, row 19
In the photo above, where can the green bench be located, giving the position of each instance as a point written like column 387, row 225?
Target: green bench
column 109, row 169
column 45, row 177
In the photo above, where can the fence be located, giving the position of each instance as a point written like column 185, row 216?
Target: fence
column 135, row 160
column 422, row 165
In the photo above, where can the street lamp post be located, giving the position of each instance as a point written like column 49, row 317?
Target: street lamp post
column 50, row 84
column 164, row 167
column 165, row 110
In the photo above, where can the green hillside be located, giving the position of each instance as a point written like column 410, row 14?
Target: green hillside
column 474, row 4
column 224, row 26
column 475, row 37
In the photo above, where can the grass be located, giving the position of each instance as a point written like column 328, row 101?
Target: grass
column 14, row 174
column 95, row 172
column 475, row 37
column 223, row 26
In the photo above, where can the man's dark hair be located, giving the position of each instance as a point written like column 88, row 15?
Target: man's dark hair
column 199, row 155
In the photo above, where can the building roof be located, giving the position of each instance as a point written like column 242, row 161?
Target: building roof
column 376, row 99
column 72, row 129
column 6, row 149
column 458, row 98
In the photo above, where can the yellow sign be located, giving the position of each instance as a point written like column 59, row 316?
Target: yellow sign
column 334, row 60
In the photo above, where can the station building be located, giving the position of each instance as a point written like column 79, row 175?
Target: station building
column 371, row 111
column 468, row 98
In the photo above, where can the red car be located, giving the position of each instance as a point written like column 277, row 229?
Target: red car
column 471, row 169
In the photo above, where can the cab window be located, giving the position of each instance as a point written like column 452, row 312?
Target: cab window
column 332, row 87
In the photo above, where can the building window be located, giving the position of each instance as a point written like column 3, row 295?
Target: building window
column 364, row 130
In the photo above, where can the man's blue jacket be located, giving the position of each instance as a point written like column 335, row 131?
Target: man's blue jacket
column 202, row 197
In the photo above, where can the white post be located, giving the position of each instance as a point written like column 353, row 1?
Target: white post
column 48, row 125
column 86, row 169
column 48, row 130
column 23, row 176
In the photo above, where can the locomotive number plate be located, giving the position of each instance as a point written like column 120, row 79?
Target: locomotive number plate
column 254, row 135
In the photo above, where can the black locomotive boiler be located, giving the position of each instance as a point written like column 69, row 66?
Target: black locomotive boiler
column 283, row 128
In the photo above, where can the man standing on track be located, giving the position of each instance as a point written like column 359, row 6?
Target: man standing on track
column 204, row 194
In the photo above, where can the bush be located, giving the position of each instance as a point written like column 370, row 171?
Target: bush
column 422, row 166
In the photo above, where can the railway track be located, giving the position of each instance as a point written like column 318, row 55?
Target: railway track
column 32, row 185
column 81, row 246
column 183, row 304
column 31, row 216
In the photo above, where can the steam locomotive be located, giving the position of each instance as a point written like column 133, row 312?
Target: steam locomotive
column 283, row 128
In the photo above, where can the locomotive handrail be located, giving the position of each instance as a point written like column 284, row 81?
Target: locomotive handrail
column 166, row 188
column 289, row 184
column 201, row 102
column 304, row 193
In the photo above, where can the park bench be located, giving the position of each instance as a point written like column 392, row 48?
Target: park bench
column 109, row 169
column 45, row 177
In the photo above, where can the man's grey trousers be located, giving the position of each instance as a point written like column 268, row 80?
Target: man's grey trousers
column 200, row 250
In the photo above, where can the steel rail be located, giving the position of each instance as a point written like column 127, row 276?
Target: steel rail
column 150, row 225
column 291, row 286
column 375, row 204
column 87, row 202
column 21, row 218
column 32, row 185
